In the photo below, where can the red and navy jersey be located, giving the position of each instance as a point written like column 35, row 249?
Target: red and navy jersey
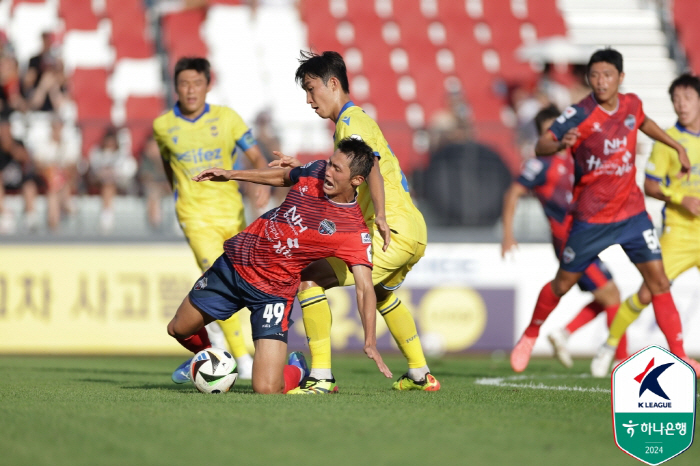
column 551, row 178
column 271, row 253
column 605, row 190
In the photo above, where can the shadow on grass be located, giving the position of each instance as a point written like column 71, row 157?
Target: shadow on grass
column 184, row 388
column 97, row 371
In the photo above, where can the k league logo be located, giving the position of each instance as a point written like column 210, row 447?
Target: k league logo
column 653, row 401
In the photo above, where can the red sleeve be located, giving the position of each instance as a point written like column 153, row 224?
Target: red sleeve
column 356, row 250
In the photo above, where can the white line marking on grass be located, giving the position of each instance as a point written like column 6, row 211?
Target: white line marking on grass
column 510, row 382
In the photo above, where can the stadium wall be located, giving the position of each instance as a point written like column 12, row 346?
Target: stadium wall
column 118, row 298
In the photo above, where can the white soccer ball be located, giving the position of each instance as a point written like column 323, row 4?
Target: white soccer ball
column 213, row 370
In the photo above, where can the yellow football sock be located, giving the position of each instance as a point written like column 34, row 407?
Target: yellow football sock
column 403, row 328
column 234, row 335
column 317, row 321
column 627, row 313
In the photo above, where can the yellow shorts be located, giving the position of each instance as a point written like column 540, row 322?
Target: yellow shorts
column 680, row 249
column 390, row 267
column 207, row 239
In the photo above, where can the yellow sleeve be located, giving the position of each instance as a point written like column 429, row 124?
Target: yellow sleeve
column 160, row 137
column 358, row 130
column 238, row 126
column 659, row 162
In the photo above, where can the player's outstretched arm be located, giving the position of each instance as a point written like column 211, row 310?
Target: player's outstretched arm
column 262, row 193
column 267, row 176
column 510, row 202
column 651, row 129
column 285, row 161
column 548, row 145
column 367, row 305
column 656, row 190
column 375, row 181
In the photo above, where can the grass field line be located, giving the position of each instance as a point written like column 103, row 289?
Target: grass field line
column 514, row 381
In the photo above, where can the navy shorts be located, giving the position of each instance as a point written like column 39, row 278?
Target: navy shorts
column 221, row 292
column 636, row 235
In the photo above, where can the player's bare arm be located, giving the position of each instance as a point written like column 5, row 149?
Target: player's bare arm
column 265, row 176
column 375, row 181
column 653, row 188
column 510, row 202
column 651, row 129
column 262, row 193
column 367, row 305
column 547, row 144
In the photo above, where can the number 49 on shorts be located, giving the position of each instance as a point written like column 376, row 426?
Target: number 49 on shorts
column 274, row 310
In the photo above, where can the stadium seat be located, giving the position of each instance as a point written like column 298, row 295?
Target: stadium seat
column 87, row 49
column 140, row 113
column 89, row 90
column 135, row 77
column 27, row 23
column 78, row 14
column 129, row 29
column 181, row 34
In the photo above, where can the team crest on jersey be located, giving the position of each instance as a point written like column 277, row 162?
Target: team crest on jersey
column 366, row 238
column 630, row 121
column 568, row 255
column 326, row 227
column 214, row 130
column 201, row 284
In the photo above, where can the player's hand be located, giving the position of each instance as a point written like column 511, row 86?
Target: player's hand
column 569, row 138
column 261, row 195
column 685, row 163
column 692, row 205
column 384, row 230
column 507, row 245
column 285, row 161
column 372, row 353
column 213, row 174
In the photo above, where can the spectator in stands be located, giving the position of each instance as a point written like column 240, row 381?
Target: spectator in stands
column 112, row 170
column 57, row 160
column 16, row 174
column 452, row 124
column 44, row 83
column 10, row 95
column 153, row 181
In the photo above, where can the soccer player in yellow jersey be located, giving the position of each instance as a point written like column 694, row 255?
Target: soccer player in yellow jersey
column 192, row 137
column 383, row 199
column 680, row 241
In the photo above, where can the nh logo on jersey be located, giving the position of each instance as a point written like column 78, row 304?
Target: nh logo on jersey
column 294, row 219
column 630, row 121
column 201, row 284
column 647, row 424
column 326, row 227
column 615, row 146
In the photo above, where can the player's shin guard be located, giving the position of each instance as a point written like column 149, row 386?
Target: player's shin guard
column 317, row 322
column 546, row 302
column 403, row 328
column 669, row 322
column 292, row 377
column 621, row 351
column 197, row 342
column 627, row 313
column 584, row 316
column 234, row 335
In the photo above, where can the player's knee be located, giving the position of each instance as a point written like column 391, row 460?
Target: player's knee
column 266, row 387
column 609, row 294
column 659, row 285
column 561, row 286
column 176, row 333
column 644, row 295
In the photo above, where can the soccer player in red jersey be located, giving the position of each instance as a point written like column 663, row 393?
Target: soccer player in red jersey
column 607, row 206
column 261, row 266
column 551, row 178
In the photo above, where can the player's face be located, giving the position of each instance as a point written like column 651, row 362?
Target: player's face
column 320, row 96
column 338, row 180
column 192, row 87
column 605, row 80
column 686, row 103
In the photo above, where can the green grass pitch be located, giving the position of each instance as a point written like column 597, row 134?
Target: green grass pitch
column 125, row 411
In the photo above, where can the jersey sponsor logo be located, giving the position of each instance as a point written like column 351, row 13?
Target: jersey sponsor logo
column 326, row 227
column 630, row 121
column 610, row 167
column 366, row 238
column 346, row 120
column 568, row 113
column 615, row 145
column 211, row 120
column 532, row 168
column 294, row 219
column 199, row 155
column 568, row 255
column 201, row 284
column 286, row 249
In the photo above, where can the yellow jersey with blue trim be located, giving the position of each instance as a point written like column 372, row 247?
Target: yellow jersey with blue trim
column 663, row 166
column 401, row 214
column 212, row 140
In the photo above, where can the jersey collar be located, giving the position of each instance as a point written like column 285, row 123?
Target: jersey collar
column 343, row 204
column 612, row 112
column 178, row 113
column 683, row 129
column 347, row 105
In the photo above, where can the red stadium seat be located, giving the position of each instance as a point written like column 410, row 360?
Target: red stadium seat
column 181, row 34
column 547, row 19
column 89, row 91
column 140, row 113
column 77, row 14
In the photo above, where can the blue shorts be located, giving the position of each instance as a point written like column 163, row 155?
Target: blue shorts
column 595, row 276
column 221, row 292
column 636, row 235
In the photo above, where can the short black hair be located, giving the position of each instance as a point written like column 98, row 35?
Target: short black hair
column 325, row 66
column 360, row 156
column 607, row 55
column 198, row 64
column 545, row 114
column 685, row 80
